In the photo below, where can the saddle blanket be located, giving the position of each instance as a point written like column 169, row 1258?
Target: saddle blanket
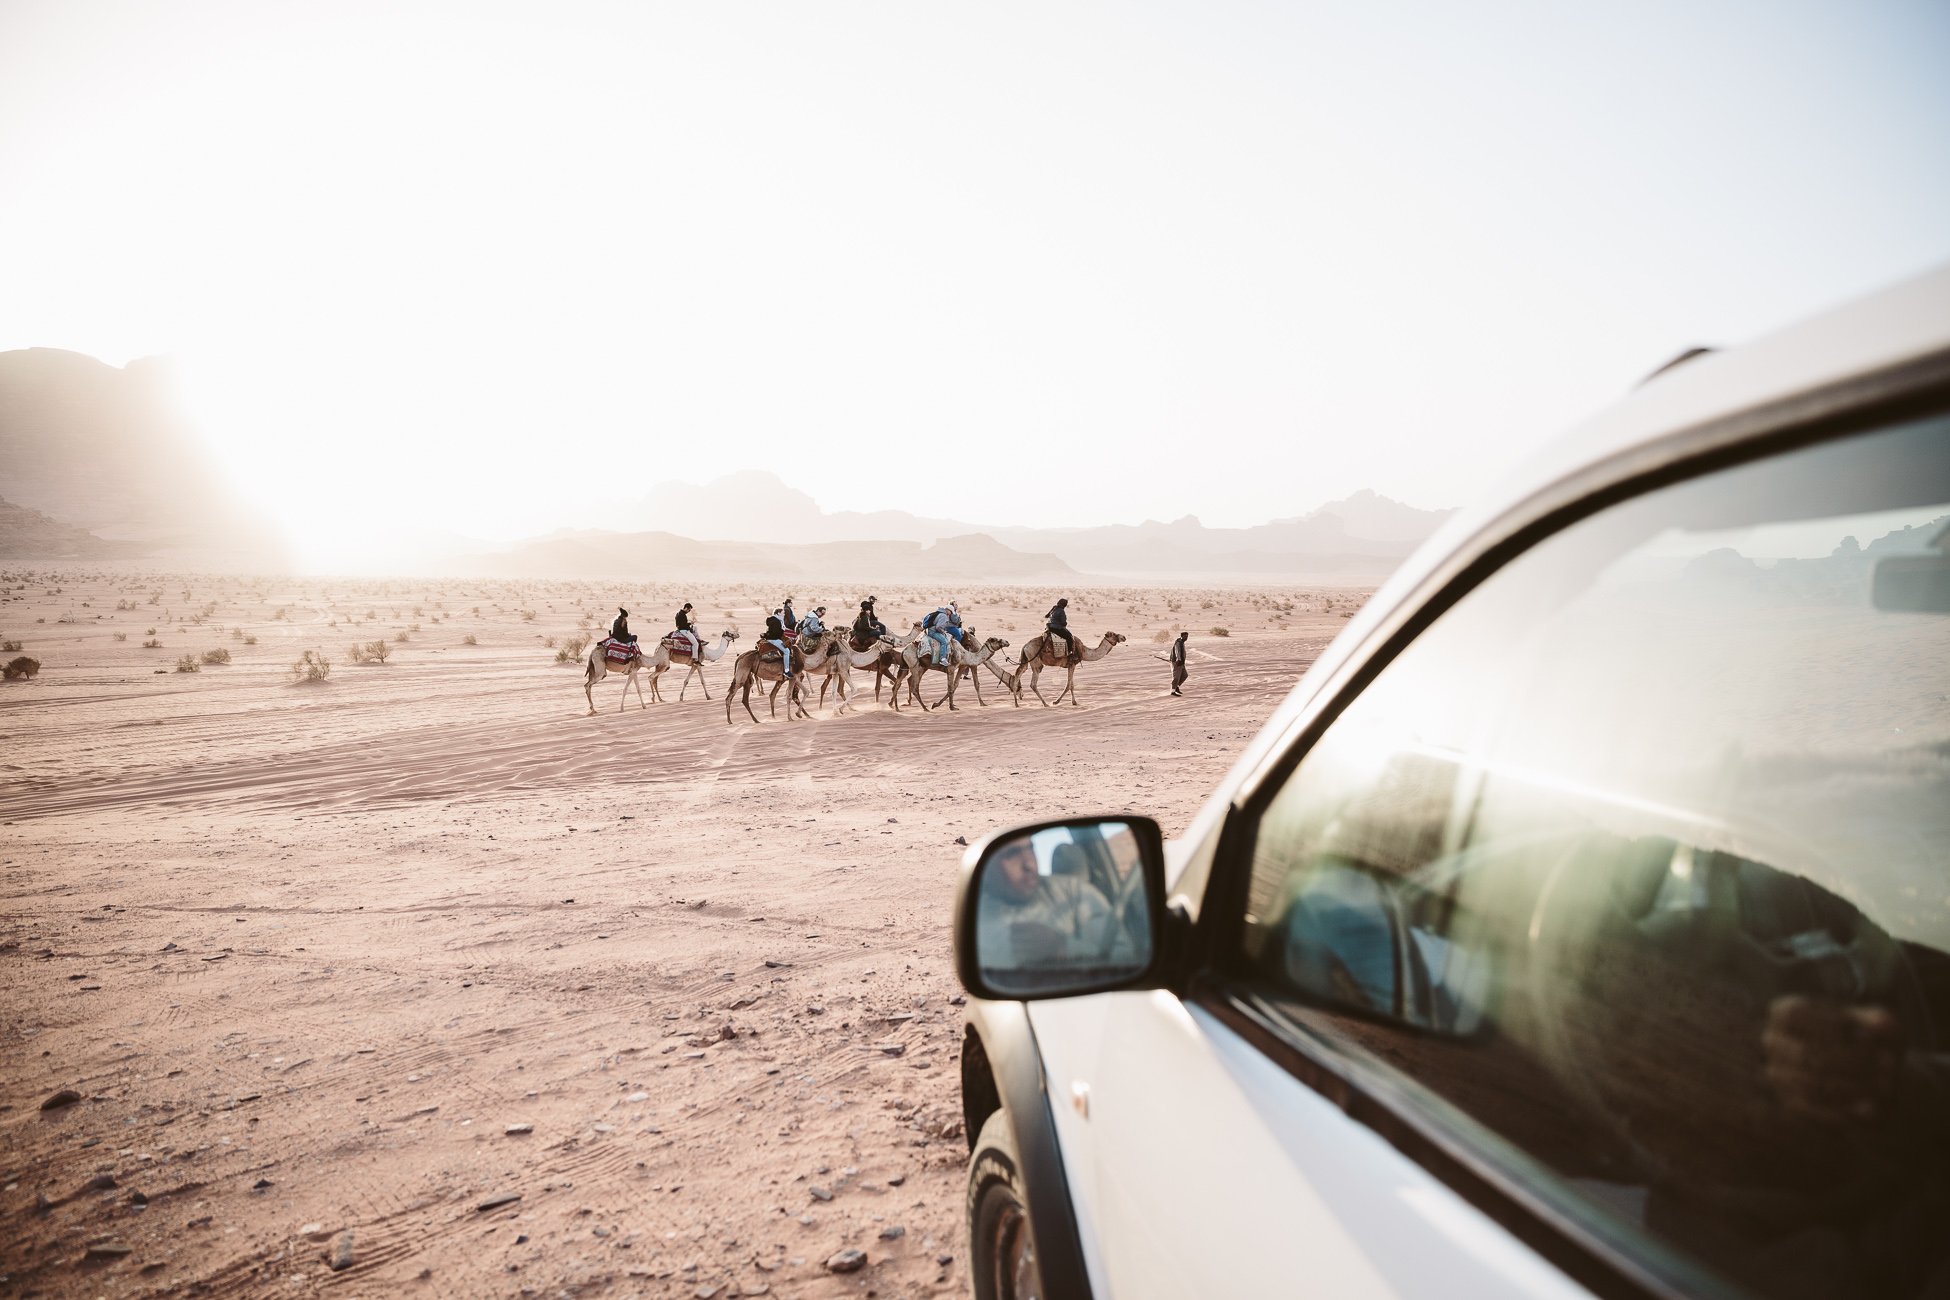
column 618, row 652
column 679, row 643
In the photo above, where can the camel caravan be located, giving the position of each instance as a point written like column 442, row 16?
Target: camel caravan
column 791, row 653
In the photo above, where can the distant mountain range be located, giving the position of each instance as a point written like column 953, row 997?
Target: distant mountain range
column 99, row 464
column 1360, row 538
column 100, row 452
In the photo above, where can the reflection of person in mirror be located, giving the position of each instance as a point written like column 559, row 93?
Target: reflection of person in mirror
column 1028, row 919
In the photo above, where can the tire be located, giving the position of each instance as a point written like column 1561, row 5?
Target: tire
column 1001, row 1248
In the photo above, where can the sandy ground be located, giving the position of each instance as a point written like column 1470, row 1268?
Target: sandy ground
column 337, row 969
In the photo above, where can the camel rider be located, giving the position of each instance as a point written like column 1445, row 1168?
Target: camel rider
column 775, row 635
column 813, row 624
column 942, row 627
column 786, row 615
column 619, row 631
column 866, row 628
column 687, row 627
column 1059, row 626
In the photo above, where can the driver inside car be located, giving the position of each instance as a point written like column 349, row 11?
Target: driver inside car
column 1031, row 920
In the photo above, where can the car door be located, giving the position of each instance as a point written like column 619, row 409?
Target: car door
column 1600, row 939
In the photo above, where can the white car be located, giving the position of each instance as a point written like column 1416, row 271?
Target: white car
column 1581, row 923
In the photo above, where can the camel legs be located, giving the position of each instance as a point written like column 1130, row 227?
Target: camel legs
column 1035, row 678
column 1070, row 689
column 589, row 681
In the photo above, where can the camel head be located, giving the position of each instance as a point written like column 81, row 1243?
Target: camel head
column 729, row 634
column 994, row 644
column 1115, row 638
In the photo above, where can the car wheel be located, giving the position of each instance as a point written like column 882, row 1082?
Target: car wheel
column 1002, row 1251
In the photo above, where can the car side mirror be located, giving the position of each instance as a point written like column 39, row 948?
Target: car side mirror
column 1912, row 584
column 1060, row 909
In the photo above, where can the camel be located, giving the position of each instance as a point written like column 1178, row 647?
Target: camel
column 883, row 657
column 1037, row 655
column 967, row 669
column 919, row 658
column 709, row 655
column 599, row 668
column 748, row 669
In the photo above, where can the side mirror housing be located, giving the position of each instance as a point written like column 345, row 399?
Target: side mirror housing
column 1063, row 908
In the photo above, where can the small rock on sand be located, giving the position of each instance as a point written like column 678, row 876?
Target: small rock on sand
column 339, row 1255
column 847, row 1261
column 107, row 1250
column 515, row 1130
column 496, row 1202
column 65, row 1097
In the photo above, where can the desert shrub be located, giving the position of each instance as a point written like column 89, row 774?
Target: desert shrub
column 250, row 640
column 527, row 615
column 470, row 639
column 1205, row 604
column 548, row 643
column 121, row 636
column 1219, row 631
column 404, row 637
column 187, row 664
column 217, row 656
column 280, row 614
column 9, row 646
column 1161, row 635
column 571, row 651
column 372, row 652
column 152, row 644
column 312, row 666
column 151, row 632
column 21, row 669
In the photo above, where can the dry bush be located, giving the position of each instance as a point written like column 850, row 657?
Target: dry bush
column 312, row 666
column 1161, row 635
column 9, row 647
column 250, row 640
column 121, row 636
column 469, row 639
column 152, row 644
column 527, row 615
column 21, row 669
column 187, row 664
column 1219, row 631
column 279, row 615
column 571, row 651
column 217, row 656
column 372, row 652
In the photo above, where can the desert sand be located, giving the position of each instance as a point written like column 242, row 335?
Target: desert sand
column 416, row 980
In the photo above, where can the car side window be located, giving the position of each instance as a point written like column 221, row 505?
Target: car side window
column 1636, row 863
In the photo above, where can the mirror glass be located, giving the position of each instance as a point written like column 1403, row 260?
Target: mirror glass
column 1062, row 910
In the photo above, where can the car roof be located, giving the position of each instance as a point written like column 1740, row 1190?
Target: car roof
column 1825, row 363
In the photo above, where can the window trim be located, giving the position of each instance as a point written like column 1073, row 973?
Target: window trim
column 1607, row 1263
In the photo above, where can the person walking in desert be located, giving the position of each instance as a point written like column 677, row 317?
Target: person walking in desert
column 1177, row 661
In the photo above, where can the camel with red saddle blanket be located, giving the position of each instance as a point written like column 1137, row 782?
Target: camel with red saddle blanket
column 1039, row 653
column 608, row 656
column 680, row 652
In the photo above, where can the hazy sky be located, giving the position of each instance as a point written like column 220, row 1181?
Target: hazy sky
column 498, row 268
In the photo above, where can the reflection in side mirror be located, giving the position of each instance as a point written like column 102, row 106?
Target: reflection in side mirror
column 1061, row 909
column 1912, row 584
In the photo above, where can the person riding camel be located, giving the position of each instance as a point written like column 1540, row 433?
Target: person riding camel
column 687, row 628
column 942, row 627
column 619, row 631
column 867, row 628
column 814, row 623
column 775, row 635
column 786, row 616
column 1058, row 625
